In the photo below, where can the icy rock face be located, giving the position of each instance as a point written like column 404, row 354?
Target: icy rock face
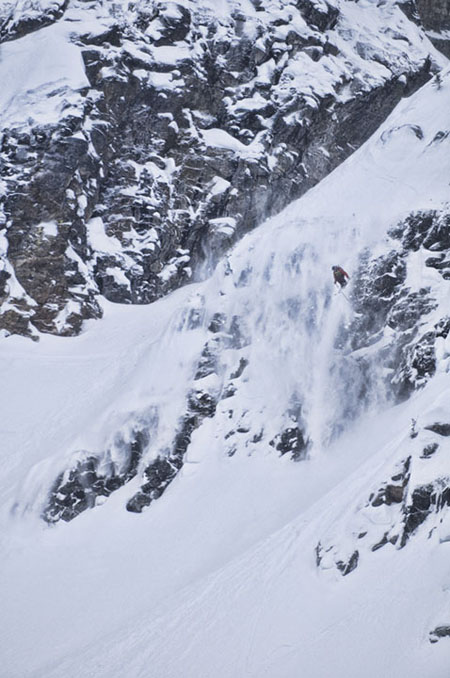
column 185, row 129
column 402, row 323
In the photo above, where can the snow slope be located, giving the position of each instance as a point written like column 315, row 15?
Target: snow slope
column 218, row 577
column 40, row 88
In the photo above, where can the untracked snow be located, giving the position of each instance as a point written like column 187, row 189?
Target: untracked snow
column 40, row 75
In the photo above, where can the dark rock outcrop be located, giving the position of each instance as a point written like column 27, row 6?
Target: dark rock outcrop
column 344, row 566
column 79, row 488
column 415, row 503
column 162, row 471
column 351, row 564
column 435, row 14
column 439, row 632
column 292, row 441
column 442, row 429
column 97, row 475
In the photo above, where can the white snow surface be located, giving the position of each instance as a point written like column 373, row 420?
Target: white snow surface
column 40, row 74
column 218, row 577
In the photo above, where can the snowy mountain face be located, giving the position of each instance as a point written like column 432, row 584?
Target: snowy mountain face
column 149, row 136
column 248, row 476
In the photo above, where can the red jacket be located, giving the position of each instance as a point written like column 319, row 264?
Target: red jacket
column 340, row 275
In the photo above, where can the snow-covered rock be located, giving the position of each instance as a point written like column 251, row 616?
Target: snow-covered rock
column 136, row 113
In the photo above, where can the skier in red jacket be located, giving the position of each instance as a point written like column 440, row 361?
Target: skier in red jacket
column 340, row 276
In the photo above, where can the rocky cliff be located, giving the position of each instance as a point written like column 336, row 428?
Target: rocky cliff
column 168, row 130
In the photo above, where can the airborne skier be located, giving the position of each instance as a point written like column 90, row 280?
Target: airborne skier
column 340, row 276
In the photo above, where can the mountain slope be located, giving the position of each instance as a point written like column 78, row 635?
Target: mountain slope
column 245, row 565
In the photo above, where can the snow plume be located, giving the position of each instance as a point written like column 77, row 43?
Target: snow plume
column 291, row 316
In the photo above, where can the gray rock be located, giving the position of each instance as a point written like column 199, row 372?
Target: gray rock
column 439, row 632
column 442, row 429
column 351, row 564
column 434, row 14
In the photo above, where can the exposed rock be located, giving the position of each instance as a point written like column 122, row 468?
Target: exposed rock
column 351, row 564
column 429, row 450
column 381, row 543
column 243, row 362
column 202, row 403
column 208, row 361
column 391, row 315
column 439, row 428
column 439, row 632
column 97, row 475
column 323, row 16
column 417, row 510
column 158, row 474
column 403, row 501
column 391, row 493
column 162, row 164
column 435, row 14
column 394, row 494
column 217, row 323
column 292, row 441
column 237, row 334
column 415, row 503
column 162, row 471
column 78, row 488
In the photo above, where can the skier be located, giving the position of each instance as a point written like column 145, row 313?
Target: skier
column 340, row 276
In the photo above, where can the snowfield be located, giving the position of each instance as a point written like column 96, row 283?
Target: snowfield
column 219, row 577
